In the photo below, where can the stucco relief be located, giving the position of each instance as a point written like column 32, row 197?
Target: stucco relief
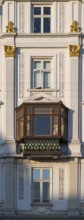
column 21, row 75
column 21, row 183
column 21, row 17
column 61, row 183
column 61, row 74
column 62, row 17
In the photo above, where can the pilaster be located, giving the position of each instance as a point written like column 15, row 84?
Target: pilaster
column 74, row 146
column 9, row 187
column 9, row 71
column 73, row 197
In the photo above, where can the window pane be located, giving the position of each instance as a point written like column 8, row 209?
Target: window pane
column 46, row 65
column 46, row 10
column 21, row 127
column 37, row 64
column 55, row 125
column 37, row 25
column 46, row 80
column 62, row 126
column 46, row 174
column 36, row 174
column 36, row 192
column 46, row 192
column 37, row 10
column 41, row 125
column 46, row 25
column 37, row 79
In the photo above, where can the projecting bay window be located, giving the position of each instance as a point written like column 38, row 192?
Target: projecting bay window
column 42, row 121
column 41, row 19
column 41, row 74
column 41, row 182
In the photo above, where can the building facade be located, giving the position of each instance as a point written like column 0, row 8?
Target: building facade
column 41, row 109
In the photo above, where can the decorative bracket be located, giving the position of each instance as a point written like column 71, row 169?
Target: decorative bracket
column 9, row 51
column 74, row 50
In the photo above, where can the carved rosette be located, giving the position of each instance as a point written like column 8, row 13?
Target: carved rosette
column 10, row 27
column 74, row 50
column 9, row 51
column 74, row 27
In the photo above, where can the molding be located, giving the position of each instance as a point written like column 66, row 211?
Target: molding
column 74, row 50
column 9, row 51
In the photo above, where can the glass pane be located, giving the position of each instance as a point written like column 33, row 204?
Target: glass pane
column 36, row 192
column 55, row 125
column 46, row 25
column 37, row 25
column 41, row 125
column 37, row 79
column 46, row 80
column 62, row 126
column 36, row 174
column 46, row 174
column 21, row 127
column 37, row 10
column 28, row 120
column 46, row 65
column 46, row 10
column 46, row 192
column 37, row 64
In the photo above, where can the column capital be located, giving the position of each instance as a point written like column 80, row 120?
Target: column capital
column 9, row 51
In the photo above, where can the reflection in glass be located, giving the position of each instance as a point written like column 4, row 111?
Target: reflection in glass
column 46, row 25
column 36, row 174
column 62, row 126
column 46, row 10
column 55, row 125
column 46, row 192
column 46, row 174
column 36, row 192
column 46, row 80
column 21, row 127
column 37, row 10
column 42, row 125
column 37, row 79
column 37, row 25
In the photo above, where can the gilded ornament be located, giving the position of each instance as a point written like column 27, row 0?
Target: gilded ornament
column 10, row 27
column 74, row 50
column 74, row 27
column 9, row 51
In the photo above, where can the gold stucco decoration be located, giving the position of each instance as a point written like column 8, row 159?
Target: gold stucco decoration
column 74, row 50
column 9, row 51
column 10, row 27
column 74, row 27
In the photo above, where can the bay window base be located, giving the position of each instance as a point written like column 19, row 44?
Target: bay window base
column 74, row 148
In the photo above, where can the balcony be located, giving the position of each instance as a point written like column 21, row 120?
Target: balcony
column 41, row 127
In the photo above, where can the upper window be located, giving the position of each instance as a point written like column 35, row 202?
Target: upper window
column 41, row 185
column 41, row 74
column 41, row 19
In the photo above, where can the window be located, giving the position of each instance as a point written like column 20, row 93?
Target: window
column 40, row 120
column 41, row 74
column 41, row 19
column 41, row 185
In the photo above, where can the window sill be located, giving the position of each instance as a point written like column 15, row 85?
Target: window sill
column 41, row 204
column 42, row 90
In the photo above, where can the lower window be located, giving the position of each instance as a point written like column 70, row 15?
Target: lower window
column 41, row 185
